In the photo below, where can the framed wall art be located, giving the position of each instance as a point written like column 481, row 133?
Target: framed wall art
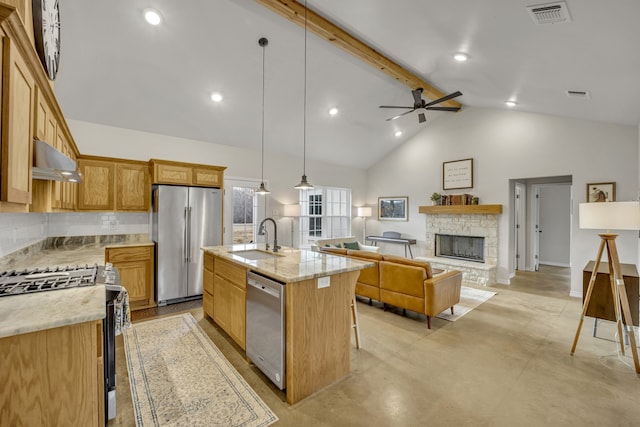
column 601, row 192
column 393, row 208
column 457, row 174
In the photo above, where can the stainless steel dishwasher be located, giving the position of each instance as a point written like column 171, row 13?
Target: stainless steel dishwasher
column 265, row 326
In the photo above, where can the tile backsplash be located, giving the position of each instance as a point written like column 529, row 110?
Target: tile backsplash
column 19, row 230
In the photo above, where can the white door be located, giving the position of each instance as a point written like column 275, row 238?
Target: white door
column 520, row 226
column 243, row 210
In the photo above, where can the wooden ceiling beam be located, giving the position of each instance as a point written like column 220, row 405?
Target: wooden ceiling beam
column 294, row 11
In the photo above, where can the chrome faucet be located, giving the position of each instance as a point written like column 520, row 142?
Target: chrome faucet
column 262, row 230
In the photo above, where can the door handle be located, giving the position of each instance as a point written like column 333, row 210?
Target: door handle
column 184, row 237
column 189, row 236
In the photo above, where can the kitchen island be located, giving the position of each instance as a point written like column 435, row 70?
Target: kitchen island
column 319, row 289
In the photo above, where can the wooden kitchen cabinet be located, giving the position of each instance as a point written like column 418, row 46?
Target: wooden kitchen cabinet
column 54, row 377
column 111, row 184
column 229, row 299
column 18, row 93
column 178, row 173
column 97, row 190
column 135, row 263
column 207, row 282
column 132, row 186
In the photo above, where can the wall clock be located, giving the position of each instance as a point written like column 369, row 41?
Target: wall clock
column 46, row 27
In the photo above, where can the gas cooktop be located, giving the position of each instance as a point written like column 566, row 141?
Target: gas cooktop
column 47, row 279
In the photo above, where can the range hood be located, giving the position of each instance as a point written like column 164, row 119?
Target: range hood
column 51, row 165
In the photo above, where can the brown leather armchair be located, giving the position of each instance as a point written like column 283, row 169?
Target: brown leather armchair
column 410, row 284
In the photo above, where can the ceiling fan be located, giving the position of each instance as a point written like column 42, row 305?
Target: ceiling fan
column 420, row 103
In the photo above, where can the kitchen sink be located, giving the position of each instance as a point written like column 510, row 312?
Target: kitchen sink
column 255, row 254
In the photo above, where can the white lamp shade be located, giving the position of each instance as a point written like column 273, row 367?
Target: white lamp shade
column 610, row 215
column 291, row 210
column 364, row 211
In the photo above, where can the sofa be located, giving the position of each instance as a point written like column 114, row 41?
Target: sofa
column 340, row 242
column 406, row 283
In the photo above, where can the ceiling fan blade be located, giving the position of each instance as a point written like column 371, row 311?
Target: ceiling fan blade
column 443, row 108
column 395, row 106
column 444, row 98
column 417, row 97
column 400, row 115
column 421, row 118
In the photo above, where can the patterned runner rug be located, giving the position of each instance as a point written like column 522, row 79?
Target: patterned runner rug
column 180, row 378
column 470, row 298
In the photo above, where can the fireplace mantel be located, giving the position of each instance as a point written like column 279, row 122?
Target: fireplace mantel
column 461, row 209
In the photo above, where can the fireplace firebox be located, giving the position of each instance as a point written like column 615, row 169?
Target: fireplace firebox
column 468, row 248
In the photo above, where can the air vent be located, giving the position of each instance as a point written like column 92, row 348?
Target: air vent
column 550, row 13
column 581, row 94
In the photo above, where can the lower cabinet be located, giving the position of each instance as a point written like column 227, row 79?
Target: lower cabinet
column 136, row 267
column 53, row 377
column 229, row 299
column 207, row 279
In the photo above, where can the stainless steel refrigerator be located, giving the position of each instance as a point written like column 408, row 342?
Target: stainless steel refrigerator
column 183, row 220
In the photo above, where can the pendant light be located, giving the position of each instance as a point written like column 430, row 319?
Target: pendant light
column 304, row 184
column 262, row 190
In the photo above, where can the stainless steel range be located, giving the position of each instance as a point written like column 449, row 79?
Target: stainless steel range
column 20, row 282
column 47, row 279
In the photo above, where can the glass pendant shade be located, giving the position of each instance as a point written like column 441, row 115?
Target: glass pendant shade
column 304, row 184
column 262, row 189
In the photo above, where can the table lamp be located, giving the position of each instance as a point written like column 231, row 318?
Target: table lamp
column 364, row 212
column 611, row 216
column 292, row 211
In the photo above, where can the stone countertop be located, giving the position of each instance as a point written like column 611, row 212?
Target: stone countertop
column 32, row 312
column 20, row 314
column 291, row 265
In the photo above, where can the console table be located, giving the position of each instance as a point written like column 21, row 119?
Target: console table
column 601, row 302
column 406, row 242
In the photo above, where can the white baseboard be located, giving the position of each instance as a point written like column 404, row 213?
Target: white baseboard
column 555, row 264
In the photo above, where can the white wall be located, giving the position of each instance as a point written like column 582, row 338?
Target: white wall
column 511, row 145
column 280, row 172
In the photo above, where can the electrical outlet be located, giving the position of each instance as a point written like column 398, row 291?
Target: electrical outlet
column 112, row 225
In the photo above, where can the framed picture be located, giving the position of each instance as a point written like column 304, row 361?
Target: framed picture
column 393, row 208
column 457, row 174
column 601, row 192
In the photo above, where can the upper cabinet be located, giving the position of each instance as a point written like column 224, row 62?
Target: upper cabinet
column 167, row 172
column 113, row 184
column 29, row 109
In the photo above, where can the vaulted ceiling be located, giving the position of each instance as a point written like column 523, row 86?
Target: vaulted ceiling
column 118, row 70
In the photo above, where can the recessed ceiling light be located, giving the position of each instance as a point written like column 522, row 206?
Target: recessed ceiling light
column 152, row 16
column 333, row 111
column 511, row 103
column 216, row 97
column 460, row 56
column 398, row 133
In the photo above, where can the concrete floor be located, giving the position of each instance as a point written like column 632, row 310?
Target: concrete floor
column 506, row 363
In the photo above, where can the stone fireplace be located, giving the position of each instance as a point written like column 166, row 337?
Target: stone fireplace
column 472, row 233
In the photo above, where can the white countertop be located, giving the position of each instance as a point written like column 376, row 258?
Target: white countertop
column 20, row 314
column 291, row 265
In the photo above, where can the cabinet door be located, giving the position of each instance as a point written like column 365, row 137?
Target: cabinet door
column 68, row 190
column 133, row 189
column 167, row 173
column 221, row 302
column 17, row 127
column 237, row 315
column 207, row 177
column 96, row 191
column 136, row 268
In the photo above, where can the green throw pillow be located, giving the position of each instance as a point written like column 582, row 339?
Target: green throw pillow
column 338, row 245
column 351, row 245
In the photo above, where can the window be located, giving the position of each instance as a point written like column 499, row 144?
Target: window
column 244, row 199
column 325, row 213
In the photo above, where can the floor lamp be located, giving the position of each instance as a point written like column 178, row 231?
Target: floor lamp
column 364, row 212
column 292, row 211
column 611, row 216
